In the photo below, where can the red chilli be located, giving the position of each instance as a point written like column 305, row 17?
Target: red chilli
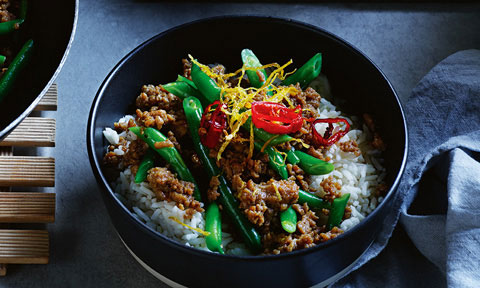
column 214, row 125
column 276, row 118
column 330, row 136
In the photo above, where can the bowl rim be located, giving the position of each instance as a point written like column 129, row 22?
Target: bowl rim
column 5, row 131
column 96, row 166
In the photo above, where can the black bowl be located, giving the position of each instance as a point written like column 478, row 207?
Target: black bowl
column 52, row 28
column 354, row 80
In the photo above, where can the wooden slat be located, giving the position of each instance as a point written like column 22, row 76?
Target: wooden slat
column 32, row 132
column 24, row 246
column 27, row 171
column 49, row 100
column 27, row 207
column 6, row 151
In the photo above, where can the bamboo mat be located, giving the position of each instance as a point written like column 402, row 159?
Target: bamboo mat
column 21, row 246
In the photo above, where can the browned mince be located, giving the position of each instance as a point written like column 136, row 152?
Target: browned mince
column 187, row 68
column 331, row 234
column 167, row 186
column 348, row 212
column 110, row 157
column 310, row 101
column 318, row 153
column 218, row 69
column 5, row 14
column 120, row 127
column 163, row 144
column 377, row 141
column 212, row 193
column 350, row 146
column 135, row 152
column 151, row 96
column 254, row 198
column 308, row 233
column 195, row 160
column 331, row 188
column 297, row 172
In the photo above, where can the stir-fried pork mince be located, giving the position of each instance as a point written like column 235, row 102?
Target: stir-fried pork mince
column 323, row 183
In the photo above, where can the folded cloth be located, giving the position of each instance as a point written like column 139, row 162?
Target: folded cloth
column 438, row 198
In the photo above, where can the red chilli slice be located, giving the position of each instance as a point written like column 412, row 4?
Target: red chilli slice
column 328, row 138
column 213, row 125
column 276, row 118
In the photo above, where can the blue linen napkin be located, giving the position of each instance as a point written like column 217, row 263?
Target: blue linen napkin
column 438, row 199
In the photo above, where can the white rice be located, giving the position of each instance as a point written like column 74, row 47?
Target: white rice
column 358, row 175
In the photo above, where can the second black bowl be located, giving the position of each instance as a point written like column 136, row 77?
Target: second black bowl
column 355, row 81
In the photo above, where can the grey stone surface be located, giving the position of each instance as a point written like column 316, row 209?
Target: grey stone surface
column 404, row 40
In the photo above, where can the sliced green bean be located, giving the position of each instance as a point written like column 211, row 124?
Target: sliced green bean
column 306, row 73
column 213, row 224
column 170, row 154
column 207, row 86
column 276, row 161
column 250, row 60
column 312, row 200
column 181, row 89
column 10, row 26
column 312, row 165
column 193, row 112
column 2, row 60
column 146, row 164
column 288, row 219
column 265, row 136
column 15, row 67
column 337, row 211
column 292, row 158
column 181, row 78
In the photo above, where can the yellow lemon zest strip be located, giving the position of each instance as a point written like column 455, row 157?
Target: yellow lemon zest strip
column 277, row 192
column 204, row 233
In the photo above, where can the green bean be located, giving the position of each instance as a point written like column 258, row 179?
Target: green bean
column 14, row 69
column 265, row 136
column 193, row 112
column 251, row 61
column 181, row 78
column 2, row 60
column 213, row 224
column 276, row 161
column 306, row 73
column 145, row 165
column 312, row 165
column 292, row 158
column 205, row 84
column 288, row 219
column 170, row 154
column 181, row 89
column 10, row 26
column 312, row 200
column 337, row 211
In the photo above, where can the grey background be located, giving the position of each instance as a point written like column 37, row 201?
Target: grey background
column 404, row 40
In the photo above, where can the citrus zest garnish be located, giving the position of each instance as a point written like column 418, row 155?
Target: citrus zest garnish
column 239, row 100
column 277, row 192
column 204, row 233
